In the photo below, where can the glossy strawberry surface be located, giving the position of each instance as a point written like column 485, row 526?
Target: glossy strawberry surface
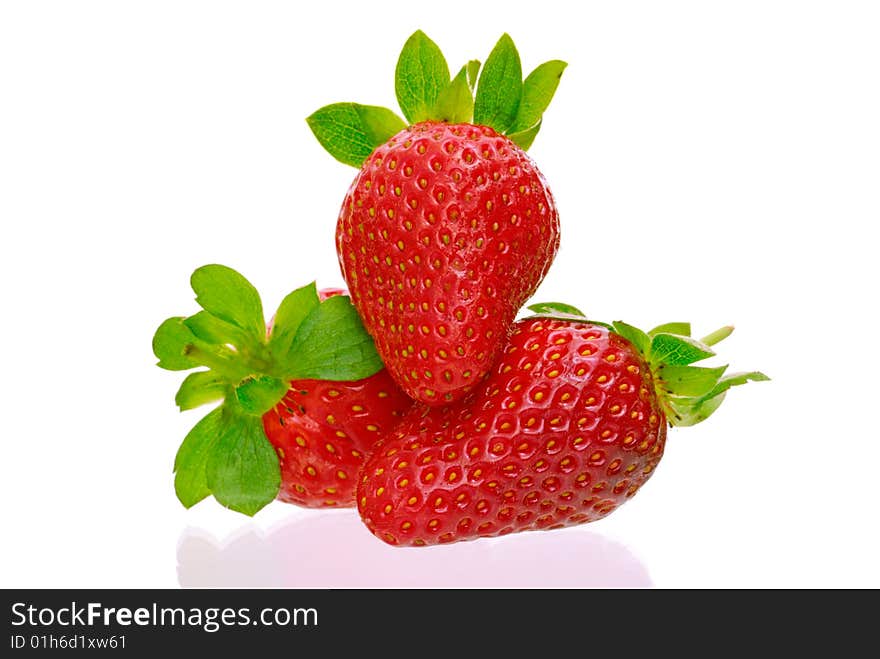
column 565, row 429
column 446, row 231
column 323, row 431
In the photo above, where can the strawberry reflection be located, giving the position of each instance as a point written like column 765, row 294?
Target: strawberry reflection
column 334, row 550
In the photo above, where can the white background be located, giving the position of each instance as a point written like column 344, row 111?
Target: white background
column 712, row 161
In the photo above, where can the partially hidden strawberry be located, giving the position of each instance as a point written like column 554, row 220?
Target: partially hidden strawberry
column 449, row 226
column 302, row 403
column 323, row 431
column 570, row 423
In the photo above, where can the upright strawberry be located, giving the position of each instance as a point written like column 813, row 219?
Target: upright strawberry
column 570, row 423
column 302, row 403
column 448, row 227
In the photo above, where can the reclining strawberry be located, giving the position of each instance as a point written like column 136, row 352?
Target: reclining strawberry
column 449, row 227
column 569, row 424
column 302, row 403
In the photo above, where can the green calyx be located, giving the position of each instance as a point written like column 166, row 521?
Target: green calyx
column 688, row 394
column 249, row 370
column 496, row 96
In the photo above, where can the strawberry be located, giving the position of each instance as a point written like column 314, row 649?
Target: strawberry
column 569, row 424
column 323, row 431
column 449, row 226
column 301, row 403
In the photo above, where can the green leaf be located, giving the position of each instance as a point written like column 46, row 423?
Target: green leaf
column 689, row 380
column 525, row 138
column 258, row 394
column 243, row 471
column 291, row 312
column 690, row 410
column 500, row 87
column 537, row 92
column 556, row 308
column 332, row 344
column 421, row 75
column 685, row 412
column 634, row 335
column 200, row 388
column 224, row 293
column 683, row 329
column 190, row 480
column 473, row 71
column 677, row 350
column 170, row 345
column 350, row 131
column 455, row 104
column 211, row 329
column 733, row 380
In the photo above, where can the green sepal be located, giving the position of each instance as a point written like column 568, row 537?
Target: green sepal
column 524, row 139
column 688, row 380
column 200, row 388
column 688, row 411
column 420, row 77
column 677, row 350
column 242, row 471
column 682, row 411
column 211, row 329
column 225, row 294
column 634, row 335
column 351, row 131
column 291, row 312
column 258, row 394
column 170, row 344
column 500, row 87
column 537, row 92
column 455, row 104
column 190, row 479
column 346, row 354
column 682, row 329
column 556, row 308
column 733, row 380
column 473, row 73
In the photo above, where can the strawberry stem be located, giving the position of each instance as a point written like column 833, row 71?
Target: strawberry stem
column 718, row 335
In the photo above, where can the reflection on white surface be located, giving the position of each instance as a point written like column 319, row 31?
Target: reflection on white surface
column 334, row 550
